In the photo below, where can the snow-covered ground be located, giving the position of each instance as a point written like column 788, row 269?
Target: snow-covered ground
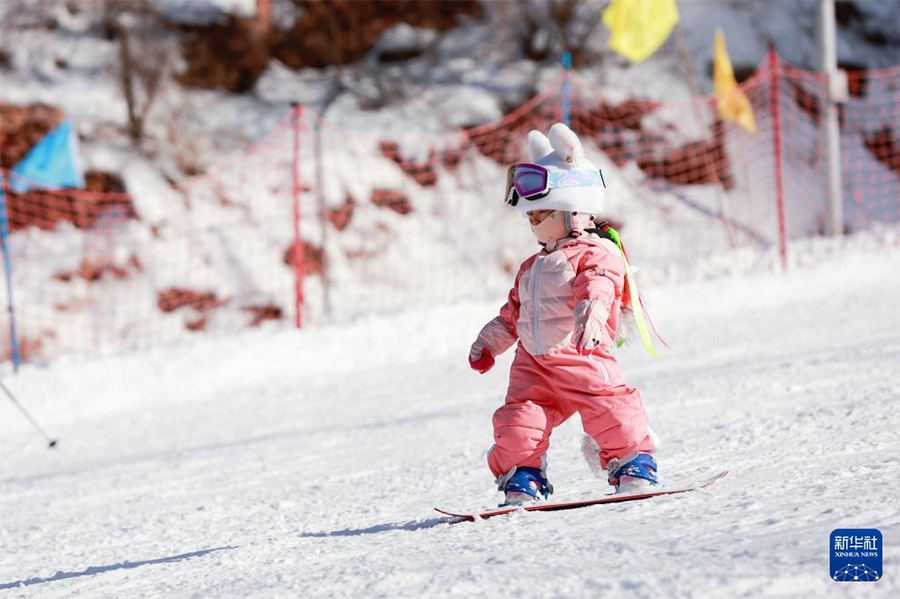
column 285, row 464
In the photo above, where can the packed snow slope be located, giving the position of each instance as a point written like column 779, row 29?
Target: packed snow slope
column 286, row 464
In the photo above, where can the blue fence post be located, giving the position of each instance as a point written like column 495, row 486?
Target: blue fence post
column 567, row 89
column 7, row 267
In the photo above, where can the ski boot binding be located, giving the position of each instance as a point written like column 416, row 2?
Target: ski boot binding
column 633, row 474
column 523, row 484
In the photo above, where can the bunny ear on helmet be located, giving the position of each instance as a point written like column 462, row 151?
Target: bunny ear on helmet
column 566, row 144
column 538, row 145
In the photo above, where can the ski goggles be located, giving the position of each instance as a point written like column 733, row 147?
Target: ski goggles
column 531, row 181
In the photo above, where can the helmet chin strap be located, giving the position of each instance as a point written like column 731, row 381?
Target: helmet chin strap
column 578, row 223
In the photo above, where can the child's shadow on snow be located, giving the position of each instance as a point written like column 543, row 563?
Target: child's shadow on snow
column 354, row 532
column 91, row 571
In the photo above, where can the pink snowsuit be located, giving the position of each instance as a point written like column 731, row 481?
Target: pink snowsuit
column 549, row 379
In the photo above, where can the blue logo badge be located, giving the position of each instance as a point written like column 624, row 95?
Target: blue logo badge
column 856, row 555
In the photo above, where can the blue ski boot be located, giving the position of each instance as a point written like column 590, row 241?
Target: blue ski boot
column 523, row 484
column 633, row 474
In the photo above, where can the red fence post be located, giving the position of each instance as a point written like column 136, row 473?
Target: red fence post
column 774, row 68
column 297, row 254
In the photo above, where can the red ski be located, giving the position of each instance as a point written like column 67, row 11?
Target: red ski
column 570, row 505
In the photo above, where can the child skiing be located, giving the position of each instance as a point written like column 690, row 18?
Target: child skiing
column 564, row 310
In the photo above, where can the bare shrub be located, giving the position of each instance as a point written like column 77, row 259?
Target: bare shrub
column 143, row 57
column 544, row 29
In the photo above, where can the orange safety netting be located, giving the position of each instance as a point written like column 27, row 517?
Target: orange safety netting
column 370, row 223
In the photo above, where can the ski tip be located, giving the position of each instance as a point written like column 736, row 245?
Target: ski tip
column 456, row 517
column 713, row 479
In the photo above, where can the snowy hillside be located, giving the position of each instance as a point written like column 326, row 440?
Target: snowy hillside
column 223, row 228
column 466, row 76
column 288, row 464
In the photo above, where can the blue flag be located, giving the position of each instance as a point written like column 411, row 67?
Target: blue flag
column 53, row 163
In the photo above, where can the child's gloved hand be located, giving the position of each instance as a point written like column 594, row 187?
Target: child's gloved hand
column 480, row 358
column 590, row 320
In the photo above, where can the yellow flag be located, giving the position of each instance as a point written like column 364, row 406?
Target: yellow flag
column 639, row 27
column 733, row 104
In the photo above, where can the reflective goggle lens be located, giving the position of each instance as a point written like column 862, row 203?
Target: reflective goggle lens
column 525, row 180
column 530, row 181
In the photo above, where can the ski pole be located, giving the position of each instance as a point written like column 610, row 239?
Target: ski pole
column 50, row 442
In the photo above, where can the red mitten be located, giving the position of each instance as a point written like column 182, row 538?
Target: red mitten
column 483, row 363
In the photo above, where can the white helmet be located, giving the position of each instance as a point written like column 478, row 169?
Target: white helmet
column 560, row 178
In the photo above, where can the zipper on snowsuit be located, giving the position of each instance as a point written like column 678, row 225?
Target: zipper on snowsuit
column 537, row 305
